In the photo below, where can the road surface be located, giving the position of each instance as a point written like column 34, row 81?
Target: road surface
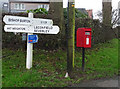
column 112, row 82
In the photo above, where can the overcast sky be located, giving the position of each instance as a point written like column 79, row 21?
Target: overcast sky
column 96, row 5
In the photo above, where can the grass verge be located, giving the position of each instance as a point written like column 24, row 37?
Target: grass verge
column 49, row 67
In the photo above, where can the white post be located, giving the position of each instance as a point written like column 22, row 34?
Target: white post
column 66, row 76
column 29, row 48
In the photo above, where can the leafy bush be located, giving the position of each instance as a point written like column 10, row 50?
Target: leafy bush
column 78, row 14
column 38, row 11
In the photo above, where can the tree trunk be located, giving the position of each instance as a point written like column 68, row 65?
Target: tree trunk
column 56, row 10
column 107, row 12
column 107, row 18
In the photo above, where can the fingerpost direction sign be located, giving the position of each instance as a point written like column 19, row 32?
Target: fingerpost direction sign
column 29, row 25
column 17, row 28
column 32, row 29
column 26, row 21
column 46, row 29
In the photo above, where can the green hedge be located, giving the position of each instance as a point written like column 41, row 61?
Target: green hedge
column 45, row 41
column 100, row 33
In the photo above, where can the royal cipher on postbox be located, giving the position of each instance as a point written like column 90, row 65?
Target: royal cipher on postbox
column 83, row 37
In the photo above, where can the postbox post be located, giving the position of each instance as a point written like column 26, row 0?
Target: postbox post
column 83, row 58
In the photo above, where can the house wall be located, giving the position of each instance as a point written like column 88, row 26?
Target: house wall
column 90, row 13
column 29, row 0
column 28, row 6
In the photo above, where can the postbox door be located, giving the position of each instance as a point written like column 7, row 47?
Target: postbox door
column 80, row 37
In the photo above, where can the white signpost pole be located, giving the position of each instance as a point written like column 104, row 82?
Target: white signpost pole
column 29, row 48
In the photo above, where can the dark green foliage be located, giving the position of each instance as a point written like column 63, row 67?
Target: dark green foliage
column 50, row 42
column 79, row 14
column 38, row 11
column 65, row 13
column 99, row 31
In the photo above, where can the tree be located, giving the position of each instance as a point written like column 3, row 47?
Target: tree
column 79, row 14
column 107, row 12
column 115, row 17
column 56, row 10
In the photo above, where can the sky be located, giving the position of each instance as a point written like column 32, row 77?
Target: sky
column 96, row 5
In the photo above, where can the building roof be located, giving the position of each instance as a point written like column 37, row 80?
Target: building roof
column 28, row 0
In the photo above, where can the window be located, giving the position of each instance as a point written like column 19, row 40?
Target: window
column 47, row 7
column 5, row 5
column 40, row 6
column 22, row 6
column 44, row 6
column 16, row 6
column 19, row 6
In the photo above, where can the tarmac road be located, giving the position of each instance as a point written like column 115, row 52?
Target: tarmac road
column 112, row 82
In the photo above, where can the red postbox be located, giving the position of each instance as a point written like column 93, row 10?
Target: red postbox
column 83, row 37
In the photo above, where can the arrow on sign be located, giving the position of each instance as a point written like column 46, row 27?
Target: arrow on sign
column 16, row 28
column 16, row 20
column 32, row 29
column 32, row 38
column 26, row 21
column 37, row 21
